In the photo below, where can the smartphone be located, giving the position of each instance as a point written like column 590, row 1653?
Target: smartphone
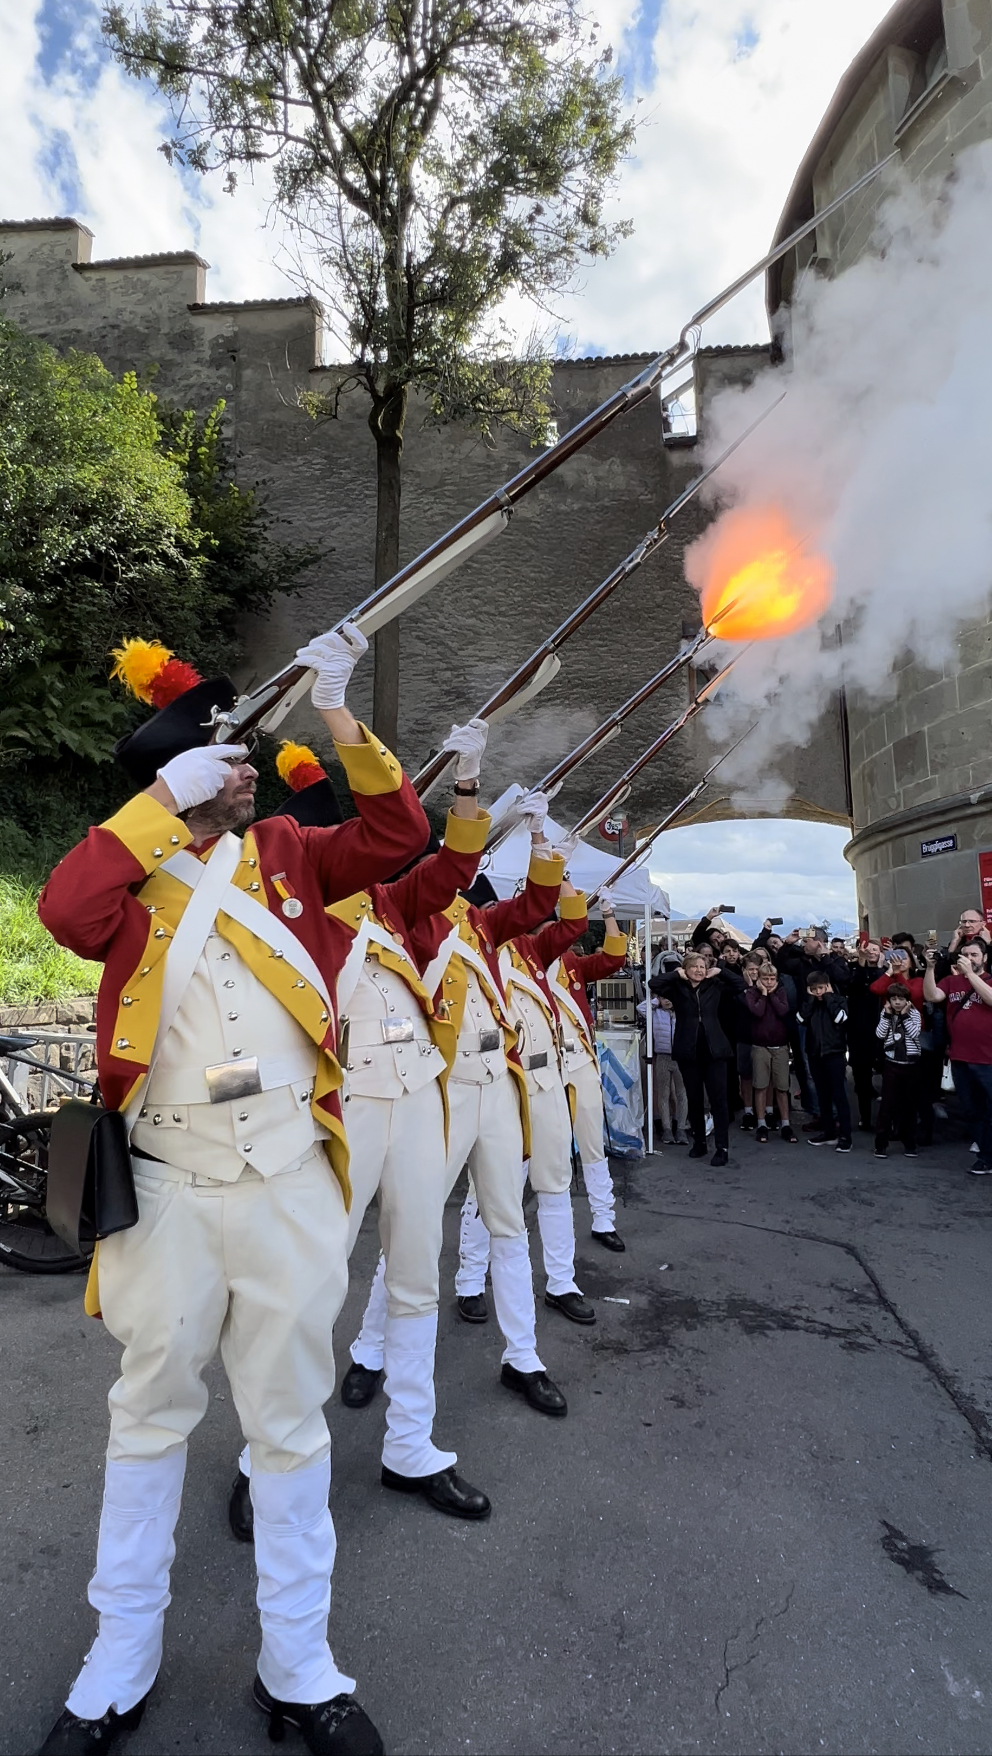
column 886, row 944
column 727, row 908
column 776, row 920
column 932, row 936
column 863, row 939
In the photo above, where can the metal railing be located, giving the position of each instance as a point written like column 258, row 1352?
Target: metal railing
column 55, row 1064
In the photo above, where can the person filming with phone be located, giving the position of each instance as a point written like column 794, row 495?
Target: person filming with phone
column 968, row 997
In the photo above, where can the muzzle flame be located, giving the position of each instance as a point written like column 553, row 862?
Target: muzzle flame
column 759, row 577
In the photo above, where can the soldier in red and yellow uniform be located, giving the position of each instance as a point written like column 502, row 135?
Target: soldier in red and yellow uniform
column 569, row 978
column 399, row 1053
column 525, row 962
column 489, row 1124
column 217, row 1037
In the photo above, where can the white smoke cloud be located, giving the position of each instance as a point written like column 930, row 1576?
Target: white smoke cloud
column 880, row 454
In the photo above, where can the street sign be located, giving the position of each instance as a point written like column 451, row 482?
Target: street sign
column 941, row 844
column 613, row 828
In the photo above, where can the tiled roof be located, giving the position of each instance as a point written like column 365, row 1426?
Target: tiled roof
column 56, row 224
column 257, row 304
column 158, row 260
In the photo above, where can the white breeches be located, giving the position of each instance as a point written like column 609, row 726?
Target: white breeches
column 588, row 1123
column 484, row 1132
column 398, row 1152
column 256, row 1267
column 551, row 1139
column 477, row 1254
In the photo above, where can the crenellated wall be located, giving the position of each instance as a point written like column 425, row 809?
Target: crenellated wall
column 471, row 632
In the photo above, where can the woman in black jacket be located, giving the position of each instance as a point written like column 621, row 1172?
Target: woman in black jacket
column 701, row 1047
column 863, row 1012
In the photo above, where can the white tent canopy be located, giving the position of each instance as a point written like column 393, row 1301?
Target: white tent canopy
column 506, row 869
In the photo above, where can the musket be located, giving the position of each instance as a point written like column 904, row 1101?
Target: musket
column 615, row 796
column 266, row 706
column 610, row 728
column 544, row 664
column 642, row 852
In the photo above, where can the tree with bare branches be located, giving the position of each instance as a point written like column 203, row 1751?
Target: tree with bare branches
column 432, row 158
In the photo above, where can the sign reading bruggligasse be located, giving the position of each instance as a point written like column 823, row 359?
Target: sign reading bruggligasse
column 941, row 844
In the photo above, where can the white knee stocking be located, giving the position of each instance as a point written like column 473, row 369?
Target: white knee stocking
column 409, row 1386
column 366, row 1349
column 599, row 1188
column 513, row 1296
column 473, row 1251
column 130, row 1587
column 554, row 1218
column 294, row 1554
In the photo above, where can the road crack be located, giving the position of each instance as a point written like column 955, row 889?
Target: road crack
column 730, row 1669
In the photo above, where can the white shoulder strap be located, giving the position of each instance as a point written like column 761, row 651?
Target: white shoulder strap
column 518, row 978
column 563, row 998
column 211, row 884
column 351, row 969
column 434, row 973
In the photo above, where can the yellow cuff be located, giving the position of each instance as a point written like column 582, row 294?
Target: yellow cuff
column 467, row 835
column 148, row 831
column 369, row 768
column 548, row 872
column 573, row 908
column 615, row 945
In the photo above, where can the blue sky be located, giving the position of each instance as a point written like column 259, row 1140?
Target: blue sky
column 727, row 93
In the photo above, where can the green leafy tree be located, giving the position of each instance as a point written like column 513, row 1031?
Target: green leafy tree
column 434, row 157
column 116, row 519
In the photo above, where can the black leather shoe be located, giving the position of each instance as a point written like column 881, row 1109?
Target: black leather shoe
column 610, row 1240
column 71, row 1736
column 571, row 1305
column 537, row 1388
column 447, row 1491
column 719, row 1157
column 473, row 1308
column 359, row 1385
column 332, row 1728
column 699, row 1151
column 240, row 1511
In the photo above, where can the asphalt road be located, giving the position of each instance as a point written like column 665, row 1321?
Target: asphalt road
column 764, row 1526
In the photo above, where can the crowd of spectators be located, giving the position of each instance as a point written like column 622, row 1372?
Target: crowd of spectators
column 772, row 1031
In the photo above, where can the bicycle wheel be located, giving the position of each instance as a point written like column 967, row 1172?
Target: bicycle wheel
column 27, row 1241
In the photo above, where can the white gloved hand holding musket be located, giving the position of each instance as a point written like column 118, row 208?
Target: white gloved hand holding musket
column 467, row 743
column 333, row 656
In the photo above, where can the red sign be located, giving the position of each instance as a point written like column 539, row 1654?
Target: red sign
column 612, row 828
column 985, row 878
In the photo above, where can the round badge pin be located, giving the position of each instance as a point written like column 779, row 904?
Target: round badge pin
column 292, row 908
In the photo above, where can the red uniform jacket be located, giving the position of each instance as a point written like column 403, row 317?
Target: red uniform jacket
column 110, row 900
column 574, row 972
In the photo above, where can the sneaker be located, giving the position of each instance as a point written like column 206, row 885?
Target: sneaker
column 823, row 1140
column 846, row 1144
column 761, row 1134
column 881, row 1152
column 789, row 1135
column 720, row 1157
column 748, row 1121
column 980, row 1168
column 910, row 1152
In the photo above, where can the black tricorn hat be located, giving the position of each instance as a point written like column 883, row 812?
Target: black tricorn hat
column 314, row 807
column 186, row 724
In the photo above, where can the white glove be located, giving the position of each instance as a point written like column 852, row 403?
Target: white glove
column 567, row 846
column 333, row 657
column 605, row 901
column 468, row 742
column 199, row 775
column 532, row 809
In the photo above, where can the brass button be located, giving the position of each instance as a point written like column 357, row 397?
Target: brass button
column 299, row 984
column 253, row 862
column 278, row 954
column 156, row 853
column 324, row 1018
column 127, row 1000
column 242, row 1115
column 254, row 885
column 152, row 910
column 147, row 970
column 174, row 840
column 160, row 932
column 123, row 1043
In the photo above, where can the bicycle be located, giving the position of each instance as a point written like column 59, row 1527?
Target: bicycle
column 27, row 1241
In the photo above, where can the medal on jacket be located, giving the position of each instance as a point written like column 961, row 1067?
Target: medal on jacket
column 290, row 904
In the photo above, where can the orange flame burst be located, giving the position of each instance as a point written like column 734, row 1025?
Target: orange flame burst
column 758, row 578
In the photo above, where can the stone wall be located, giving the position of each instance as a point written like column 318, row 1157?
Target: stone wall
column 921, row 761
column 472, row 631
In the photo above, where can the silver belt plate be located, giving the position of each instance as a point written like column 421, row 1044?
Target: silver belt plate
column 489, row 1040
column 533, row 1061
column 569, row 1045
column 227, row 1080
column 397, row 1030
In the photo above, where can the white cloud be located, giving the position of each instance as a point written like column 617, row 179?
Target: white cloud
column 778, row 867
